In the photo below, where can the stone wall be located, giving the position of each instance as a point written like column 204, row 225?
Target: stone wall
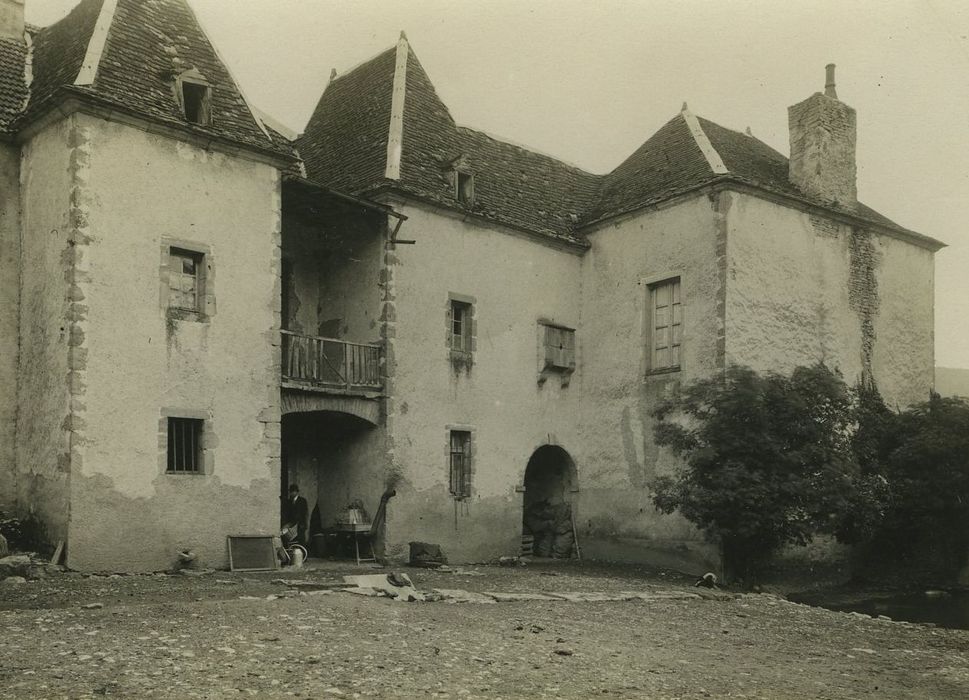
column 137, row 363
column 9, row 318
column 43, row 402
column 514, row 283
column 617, row 455
column 804, row 289
column 823, row 134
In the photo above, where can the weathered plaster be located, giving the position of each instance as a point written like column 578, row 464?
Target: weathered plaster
column 514, row 283
column 337, row 460
column 803, row 289
column 9, row 318
column 336, row 267
column 617, row 457
column 44, row 422
column 140, row 362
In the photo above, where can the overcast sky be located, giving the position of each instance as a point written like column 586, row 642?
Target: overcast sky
column 588, row 82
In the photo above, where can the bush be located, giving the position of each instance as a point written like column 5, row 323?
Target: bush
column 925, row 461
column 770, row 462
column 25, row 534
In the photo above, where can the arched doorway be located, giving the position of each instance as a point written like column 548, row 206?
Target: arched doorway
column 551, row 484
column 337, row 461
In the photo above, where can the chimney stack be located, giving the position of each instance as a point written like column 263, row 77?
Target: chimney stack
column 823, row 137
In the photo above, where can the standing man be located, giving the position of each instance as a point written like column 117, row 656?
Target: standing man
column 296, row 513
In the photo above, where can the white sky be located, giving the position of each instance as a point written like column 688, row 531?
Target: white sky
column 588, row 82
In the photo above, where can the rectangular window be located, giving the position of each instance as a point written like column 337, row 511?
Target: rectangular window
column 185, row 279
column 464, row 187
column 666, row 320
column 195, row 102
column 460, row 463
column 185, row 445
column 559, row 348
column 460, row 326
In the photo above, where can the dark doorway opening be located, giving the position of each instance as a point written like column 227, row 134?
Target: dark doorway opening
column 551, row 487
column 337, row 460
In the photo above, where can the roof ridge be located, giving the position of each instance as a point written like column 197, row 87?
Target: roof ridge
column 703, row 142
column 398, row 93
column 97, row 42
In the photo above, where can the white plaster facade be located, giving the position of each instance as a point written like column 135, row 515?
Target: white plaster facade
column 117, row 364
column 767, row 279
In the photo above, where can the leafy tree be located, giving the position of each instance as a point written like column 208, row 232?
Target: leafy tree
column 770, row 461
column 926, row 464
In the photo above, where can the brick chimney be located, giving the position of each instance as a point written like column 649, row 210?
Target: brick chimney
column 12, row 19
column 823, row 137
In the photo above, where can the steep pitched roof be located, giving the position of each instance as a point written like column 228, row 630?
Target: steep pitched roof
column 349, row 144
column 126, row 54
column 58, row 52
column 344, row 145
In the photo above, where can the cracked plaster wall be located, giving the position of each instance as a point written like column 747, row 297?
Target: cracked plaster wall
column 43, row 441
column 803, row 288
column 514, row 282
column 617, row 456
column 335, row 288
column 132, row 191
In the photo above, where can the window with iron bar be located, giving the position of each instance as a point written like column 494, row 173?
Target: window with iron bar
column 460, row 464
column 185, row 445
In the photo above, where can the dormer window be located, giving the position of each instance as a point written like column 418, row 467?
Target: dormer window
column 464, row 187
column 194, row 95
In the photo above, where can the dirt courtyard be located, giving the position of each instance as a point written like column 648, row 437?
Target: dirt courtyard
column 249, row 635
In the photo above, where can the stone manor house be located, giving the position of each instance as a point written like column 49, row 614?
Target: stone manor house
column 197, row 309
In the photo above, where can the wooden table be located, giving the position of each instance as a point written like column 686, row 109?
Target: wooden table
column 355, row 530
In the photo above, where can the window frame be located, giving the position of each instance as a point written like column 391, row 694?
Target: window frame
column 463, row 354
column 175, row 427
column 460, row 484
column 198, row 262
column 195, row 81
column 205, row 307
column 464, row 195
column 674, row 324
column 461, row 313
column 564, row 363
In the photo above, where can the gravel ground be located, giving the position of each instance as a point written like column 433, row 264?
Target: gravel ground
column 245, row 635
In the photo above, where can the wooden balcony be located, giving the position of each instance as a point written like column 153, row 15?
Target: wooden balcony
column 325, row 363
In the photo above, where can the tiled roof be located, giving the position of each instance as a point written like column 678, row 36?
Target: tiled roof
column 13, row 89
column 345, row 146
column 669, row 162
column 148, row 42
column 345, row 142
column 58, row 53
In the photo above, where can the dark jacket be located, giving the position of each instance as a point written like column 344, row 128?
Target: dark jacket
column 296, row 511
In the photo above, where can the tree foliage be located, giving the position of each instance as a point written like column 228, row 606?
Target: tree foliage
column 770, row 461
column 924, row 457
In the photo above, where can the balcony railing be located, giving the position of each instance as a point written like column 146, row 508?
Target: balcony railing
column 325, row 362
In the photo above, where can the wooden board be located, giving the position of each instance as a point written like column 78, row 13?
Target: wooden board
column 58, row 553
column 252, row 553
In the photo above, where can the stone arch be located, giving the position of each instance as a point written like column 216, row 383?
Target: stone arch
column 550, row 497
